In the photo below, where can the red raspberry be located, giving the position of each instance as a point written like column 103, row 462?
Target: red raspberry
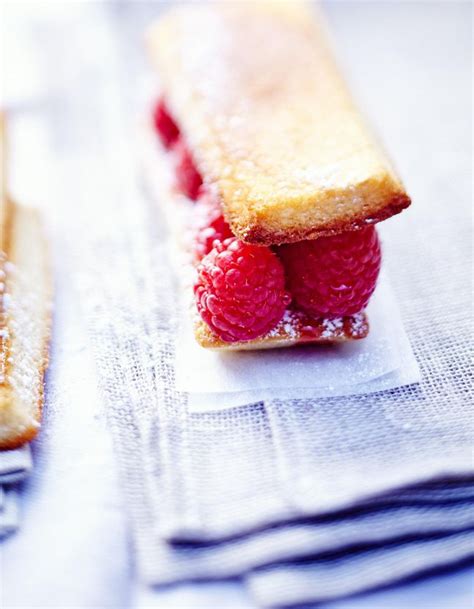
column 210, row 224
column 187, row 176
column 165, row 126
column 333, row 276
column 240, row 290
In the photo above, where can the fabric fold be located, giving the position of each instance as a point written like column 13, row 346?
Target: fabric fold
column 333, row 578
column 373, row 527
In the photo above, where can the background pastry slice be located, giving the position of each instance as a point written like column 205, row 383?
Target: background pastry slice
column 25, row 310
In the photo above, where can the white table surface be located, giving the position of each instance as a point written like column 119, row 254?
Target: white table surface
column 72, row 549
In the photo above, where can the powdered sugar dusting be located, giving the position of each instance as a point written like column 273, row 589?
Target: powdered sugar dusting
column 331, row 326
column 288, row 326
column 296, row 325
column 359, row 325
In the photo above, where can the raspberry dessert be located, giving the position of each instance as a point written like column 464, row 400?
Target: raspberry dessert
column 282, row 182
column 309, row 291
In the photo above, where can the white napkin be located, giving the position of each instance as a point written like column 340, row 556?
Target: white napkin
column 383, row 360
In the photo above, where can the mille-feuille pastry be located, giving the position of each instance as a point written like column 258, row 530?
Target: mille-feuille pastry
column 25, row 311
column 275, row 170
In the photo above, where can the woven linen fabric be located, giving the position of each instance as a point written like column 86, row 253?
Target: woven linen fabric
column 363, row 490
column 193, row 477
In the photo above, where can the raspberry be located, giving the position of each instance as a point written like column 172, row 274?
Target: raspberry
column 210, row 224
column 187, row 176
column 333, row 276
column 240, row 290
column 165, row 126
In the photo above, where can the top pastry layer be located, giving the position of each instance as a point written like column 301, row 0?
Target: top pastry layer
column 257, row 94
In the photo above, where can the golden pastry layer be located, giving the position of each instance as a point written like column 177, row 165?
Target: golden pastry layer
column 256, row 92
